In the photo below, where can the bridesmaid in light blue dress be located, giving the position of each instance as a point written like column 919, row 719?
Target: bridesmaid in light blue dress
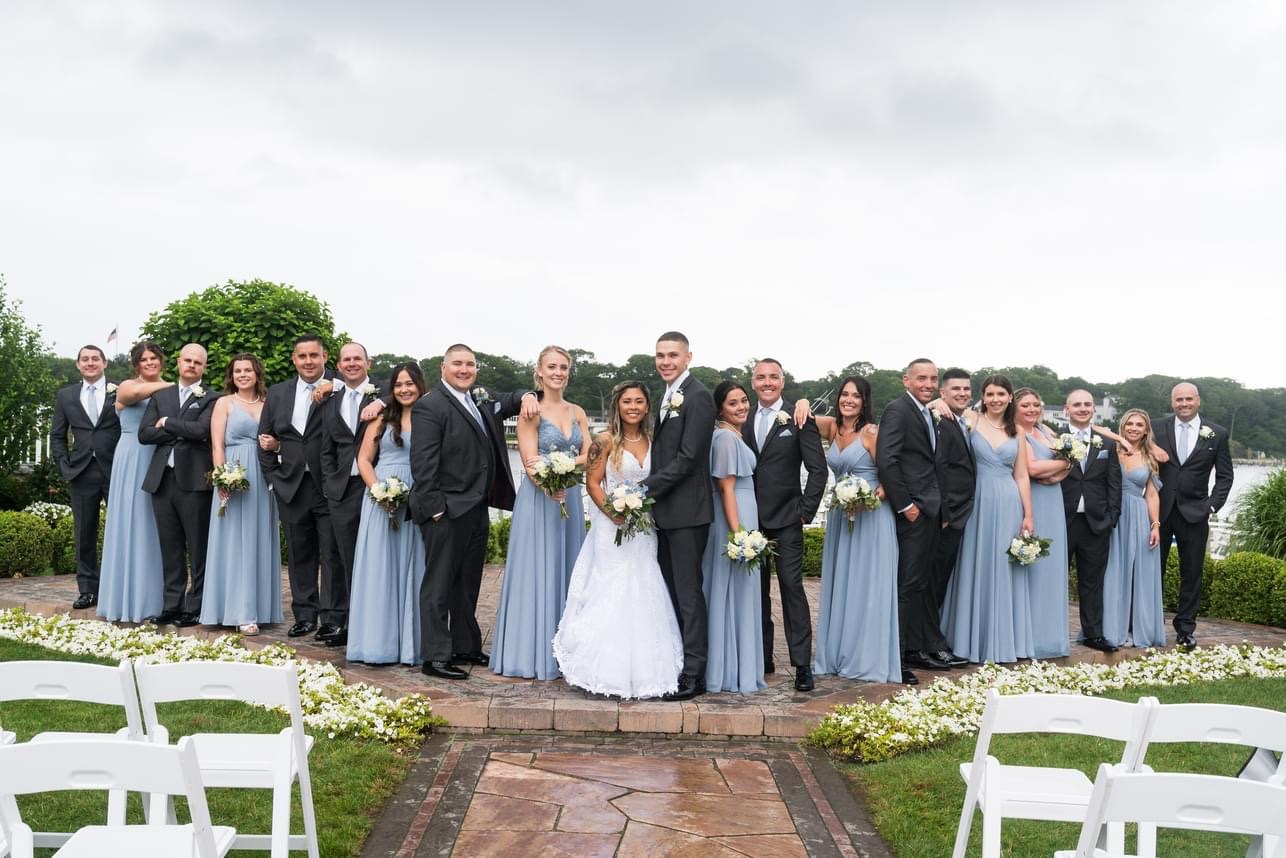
column 1132, row 606
column 735, row 654
column 857, row 614
column 543, row 545
column 243, row 559
column 130, row 586
column 986, row 613
column 1047, row 577
column 388, row 566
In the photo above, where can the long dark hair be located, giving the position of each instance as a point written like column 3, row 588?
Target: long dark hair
column 721, row 393
column 998, row 380
column 229, row 386
column 867, row 413
column 393, row 413
column 615, row 429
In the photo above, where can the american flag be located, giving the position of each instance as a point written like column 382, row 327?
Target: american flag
column 111, row 338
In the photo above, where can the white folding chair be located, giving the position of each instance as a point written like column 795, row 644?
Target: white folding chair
column 1037, row 792
column 106, row 763
column 71, row 681
column 1199, row 802
column 245, row 760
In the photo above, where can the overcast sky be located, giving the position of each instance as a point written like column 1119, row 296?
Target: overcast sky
column 1099, row 187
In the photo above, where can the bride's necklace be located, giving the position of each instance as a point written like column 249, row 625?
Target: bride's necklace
column 247, row 401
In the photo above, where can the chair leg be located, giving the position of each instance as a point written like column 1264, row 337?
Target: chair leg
column 962, row 830
column 990, row 835
column 280, row 838
column 1116, row 838
column 1147, row 845
column 306, row 806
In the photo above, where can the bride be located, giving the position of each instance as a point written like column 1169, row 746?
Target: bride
column 618, row 634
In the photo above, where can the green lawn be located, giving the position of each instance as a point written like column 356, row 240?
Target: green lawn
column 352, row 778
column 916, row 798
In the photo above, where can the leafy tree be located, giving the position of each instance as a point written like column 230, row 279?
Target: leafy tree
column 27, row 394
column 382, row 364
column 253, row 316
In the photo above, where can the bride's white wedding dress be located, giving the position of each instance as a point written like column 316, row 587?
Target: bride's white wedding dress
column 618, row 634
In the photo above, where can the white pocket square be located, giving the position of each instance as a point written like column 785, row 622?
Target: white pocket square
column 1102, row 454
column 783, row 433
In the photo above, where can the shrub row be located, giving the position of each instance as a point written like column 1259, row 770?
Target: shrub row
column 29, row 546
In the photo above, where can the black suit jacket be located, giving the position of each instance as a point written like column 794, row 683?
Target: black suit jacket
column 905, row 460
column 1188, row 485
column 339, row 443
column 786, row 448
column 680, row 478
column 455, row 465
column 299, row 455
column 1100, row 483
column 89, row 439
column 186, row 431
column 957, row 472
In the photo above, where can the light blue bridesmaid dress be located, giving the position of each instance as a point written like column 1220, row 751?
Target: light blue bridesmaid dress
column 388, row 567
column 857, row 616
column 1132, row 582
column 986, row 617
column 129, row 585
column 735, row 656
column 542, row 551
column 1047, row 577
column 243, row 558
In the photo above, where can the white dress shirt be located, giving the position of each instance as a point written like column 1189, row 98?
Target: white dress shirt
column 94, row 410
column 303, row 400
column 669, row 391
column 1194, row 430
column 764, row 418
column 352, row 413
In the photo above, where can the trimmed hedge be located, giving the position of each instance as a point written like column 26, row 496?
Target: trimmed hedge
column 498, row 540
column 63, row 549
column 814, row 539
column 1244, row 589
column 26, row 544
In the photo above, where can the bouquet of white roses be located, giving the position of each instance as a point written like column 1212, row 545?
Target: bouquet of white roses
column 1069, row 448
column 749, row 547
column 230, row 477
column 630, row 501
column 853, row 494
column 1027, row 549
column 389, row 494
column 556, row 472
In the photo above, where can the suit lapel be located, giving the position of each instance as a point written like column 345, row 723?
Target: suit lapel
column 74, row 393
column 459, row 406
column 748, row 434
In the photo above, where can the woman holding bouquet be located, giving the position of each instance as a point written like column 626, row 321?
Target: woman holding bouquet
column 243, row 560
column 735, row 660
column 130, row 586
column 388, row 566
column 985, row 614
column 857, row 616
column 1047, row 577
column 547, row 530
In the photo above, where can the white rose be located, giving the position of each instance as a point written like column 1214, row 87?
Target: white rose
column 634, row 502
column 197, row 390
column 782, row 418
column 111, row 388
column 369, row 389
column 732, row 551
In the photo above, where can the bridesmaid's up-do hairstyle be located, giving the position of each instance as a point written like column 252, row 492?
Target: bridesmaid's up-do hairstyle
column 229, row 386
column 141, row 350
column 721, row 393
column 535, row 373
column 393, row 413
column 867, row 413
column 998, row 380
column 615, row 429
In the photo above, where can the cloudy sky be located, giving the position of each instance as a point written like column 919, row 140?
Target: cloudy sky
column 1099, row 187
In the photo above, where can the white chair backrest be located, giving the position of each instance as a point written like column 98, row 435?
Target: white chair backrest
column 1200, row 802
column 73, row 680
column 267, row 685
column 1062, row 713
column 1219, row 723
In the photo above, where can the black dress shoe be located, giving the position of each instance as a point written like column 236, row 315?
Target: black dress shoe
column 301, row 628
column 340, row 638
column 949, row 658
column 187, row 619
column 326, row 630
column 443, row 670
column 1100, row 644
column 920, row 658
column 769, row 667
column 803, row 679
column 478, row 657
column 689, row 687
column 162, row 619
column 1185, row 640
column 85, row 600
column 909, row 678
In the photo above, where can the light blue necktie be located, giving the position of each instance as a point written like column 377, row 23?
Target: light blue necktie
column 1185, row 443
column 928, row 421
column 473, row 409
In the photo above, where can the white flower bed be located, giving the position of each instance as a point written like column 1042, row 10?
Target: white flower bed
column 915, row 719
column 329, row 705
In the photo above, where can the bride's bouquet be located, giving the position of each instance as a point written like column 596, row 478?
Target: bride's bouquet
column 749, row 548
column 630, row 501
column 557, row 472
column 1027, row 549
column 389, row 494
column 1069, row 448
column 853, row 494
column 230, row 477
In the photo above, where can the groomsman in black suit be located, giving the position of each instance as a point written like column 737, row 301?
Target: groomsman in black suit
column 957, row 475
column 1195, row 447
column 459, row 466
column 290, row 443
column 177, row 422
column 781, row 449
column 906, row 458
column 85, row 415
column 1092, row 503
column 680, row 484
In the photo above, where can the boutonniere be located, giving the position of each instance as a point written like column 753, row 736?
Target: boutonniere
column 1206, row 432
column 1096, row 441
column 937, row 416
column 676, row 402
column 782, row 418
column 111, row 388
column 480, row 396
column 197, row 391
column 368, row 389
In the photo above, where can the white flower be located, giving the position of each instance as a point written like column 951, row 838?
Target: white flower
column 111, row 388
column 1206, row 432
column 675, row 403
column 1096, row 442
column 197, row 390
column 782, row 418
column 561, row 462
column 633, row 501
column 480, row 395
column 368, row 389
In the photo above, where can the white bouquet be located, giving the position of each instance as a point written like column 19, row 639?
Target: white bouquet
column 630, row 502
column 229, row 478
column 389, row 494
column 749, row 547
column 1027, row 549
column 556, row 472
column 853, row 494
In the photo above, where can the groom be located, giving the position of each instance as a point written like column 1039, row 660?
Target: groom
column 680, row 484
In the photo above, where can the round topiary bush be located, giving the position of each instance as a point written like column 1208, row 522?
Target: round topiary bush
column 1244, row 586
column 25, row 544
column 814, row 540
column 64, row 546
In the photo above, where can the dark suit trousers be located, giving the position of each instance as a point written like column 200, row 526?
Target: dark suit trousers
column 679, row 551
column 454, row 551
column 945, row 555
column 345, row 517
column 1089, row 550
column 918, row 627
column 87, row 491
column 795, row 619
column 1191, row 539
column 310, row 548
column 183, row 525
